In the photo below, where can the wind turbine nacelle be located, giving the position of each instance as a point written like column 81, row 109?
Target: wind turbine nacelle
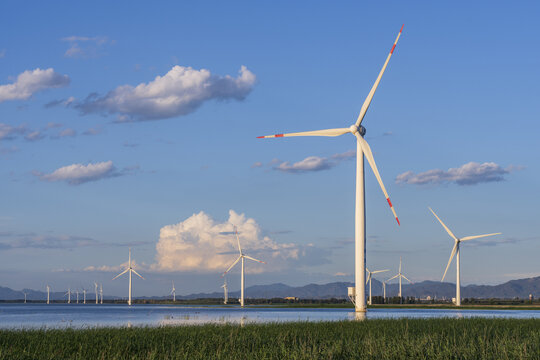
column 360, row 129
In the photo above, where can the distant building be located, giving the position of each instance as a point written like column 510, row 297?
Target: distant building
column 293, row 298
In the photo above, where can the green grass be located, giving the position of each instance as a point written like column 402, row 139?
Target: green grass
column 372, row 339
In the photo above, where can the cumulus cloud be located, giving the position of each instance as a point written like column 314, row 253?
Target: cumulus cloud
column 471, row 173
column 32, row 81
column 67, row 132
column 179, row 92
column 313, row 163
column 8, row 132
column 202, row 244
column 84, row 46
column 34, row 136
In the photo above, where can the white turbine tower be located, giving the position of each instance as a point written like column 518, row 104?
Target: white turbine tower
column 384, row 291
column 84, row 296
column 101, row 292
column 455, row 251
column 362, row 148
column 96, row 287
column 173, row 292
column 48, row 293
column 77, row 292
column 225, row 292
column 129, row 270
column 400, row 276
column 68, row 293
column 24, row 297
column 242, row 257
column 370, row 276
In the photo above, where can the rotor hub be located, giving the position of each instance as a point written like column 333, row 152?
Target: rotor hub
column 358, row 129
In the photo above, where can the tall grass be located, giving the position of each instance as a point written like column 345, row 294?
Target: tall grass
column 372, row 339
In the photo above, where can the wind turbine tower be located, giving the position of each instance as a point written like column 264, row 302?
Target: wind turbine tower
column 68, row 293
column 77, row 292
column 84, row 296
column 455, row 251
column 48, row 293
column 242, row 257
column 96, row 287
column 370, row 276
column 173, row 292
column 225, row 292
column 129, row 270
column 362, row 148
column 101, row 292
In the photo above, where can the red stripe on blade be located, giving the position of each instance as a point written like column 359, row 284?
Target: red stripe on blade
column 389, row 202
column 393, row 47
column 398, row 222
column 279, row 135
column 260, row 137
column 402, row 28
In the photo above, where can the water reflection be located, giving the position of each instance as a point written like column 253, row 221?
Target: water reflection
column 79, row 316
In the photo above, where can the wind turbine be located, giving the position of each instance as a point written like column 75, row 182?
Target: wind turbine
column 455, row 251
column 173, row 292
column 96, row 287
column 225, row 292
column 24, row 297
column 77, row 292
column 400, row 276
column 362, row 148
column 68, row 293
column 384, row 290
column 129, row 270
column 242, row 257
column 48, row 293
column 84, row 296
column 101, row 292
column 370, row 275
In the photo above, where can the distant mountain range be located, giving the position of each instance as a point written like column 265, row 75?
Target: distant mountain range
column 515, row 288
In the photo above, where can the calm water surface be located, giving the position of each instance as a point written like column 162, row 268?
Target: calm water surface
column 23, row 316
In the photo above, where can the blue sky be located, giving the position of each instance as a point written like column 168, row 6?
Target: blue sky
column 98, row 154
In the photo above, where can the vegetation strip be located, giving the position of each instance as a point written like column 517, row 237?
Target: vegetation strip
column 477, row 338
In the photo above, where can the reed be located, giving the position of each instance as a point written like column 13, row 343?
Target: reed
column 477, row 338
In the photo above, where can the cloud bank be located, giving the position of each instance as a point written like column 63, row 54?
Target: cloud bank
column 472, row 173
column 23, row 241
column 32, row 81
column 8, row 132
column 313, row 163
column 179, row 92
column 201, row 244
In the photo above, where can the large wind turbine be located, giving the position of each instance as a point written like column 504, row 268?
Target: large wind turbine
column 400, row 276
column 173, row 292
column 370, row 275
column 242, row 257
column 225, row 292
column 455, row 251
column 130, row 270
column 362, row 148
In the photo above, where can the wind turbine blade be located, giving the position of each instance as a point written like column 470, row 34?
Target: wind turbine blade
column 230, row 267
column 478, row 236
column 406, row 278
column 136, row 273
column 122, row 273
column 238, row 239
column 449, row 261
column 326, row 132
column 371, row 160
column 250, row 258
column 392, row 278
column 367, row 102
column 444, row 226
column 380, row 271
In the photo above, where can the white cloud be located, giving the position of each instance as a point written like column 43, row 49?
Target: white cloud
column 32, row 81
column 23, row 241
column 67, row 132
column 8, row 132
column 201, row 244
column 179, row 92
column 471, row 173
column 76, row 174
column 314, row 163
column 84, row 46
column 34, row 136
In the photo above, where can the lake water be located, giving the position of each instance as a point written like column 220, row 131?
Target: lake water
column 23, row 316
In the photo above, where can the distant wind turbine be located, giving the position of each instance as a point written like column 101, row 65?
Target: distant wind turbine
column 384, row 290
column 370, row 275
column 129, row 270
column 24, row 297
column 225, row 292
column 400, row 276
column 48, row 293
column 68, row 293
column 241, row 257
column 362, row 148
column 84, row 296
column 173, row 292
column 455, row 251
column 96, row 287
column 77, row 292
column 101, row 292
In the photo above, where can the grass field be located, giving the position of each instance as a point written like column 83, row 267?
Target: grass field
column 373, row 339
